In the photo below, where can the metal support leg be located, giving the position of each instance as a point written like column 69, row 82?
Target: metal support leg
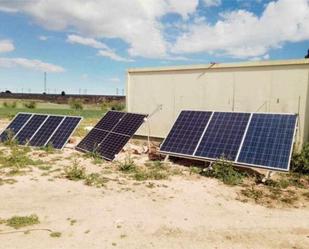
column 268, row 175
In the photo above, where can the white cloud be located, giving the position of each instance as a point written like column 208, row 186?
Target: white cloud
column 239, row 33
column 30, row 64
column 6, row 46
column 43, row 38
column 112, row 55
column 242, row 34
column 104, row 51
column 210, row 3
column 136, row 21
column 75, row 39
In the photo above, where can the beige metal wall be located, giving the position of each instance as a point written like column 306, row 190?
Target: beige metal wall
column 273, row 86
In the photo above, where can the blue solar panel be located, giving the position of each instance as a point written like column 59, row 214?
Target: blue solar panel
column 25, row 134
column 64, row 131
column 251, row 139
column 129, row 124
column 186, row 132
column 268, row 142
column 92, row 140
column 17, row 123
column 111, row 133
column 110, row 120
column 43, row 134
column 223, row 135
column 112, row 145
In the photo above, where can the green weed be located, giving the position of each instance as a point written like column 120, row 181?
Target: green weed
column 75, row 172
column 22, row 221
column 224, row 171
column 55, row 234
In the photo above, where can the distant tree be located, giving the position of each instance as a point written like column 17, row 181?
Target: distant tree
column 8, row 91
column 307, row 56
column 63, row 93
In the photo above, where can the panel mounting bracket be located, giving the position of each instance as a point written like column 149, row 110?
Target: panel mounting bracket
column 268, row 175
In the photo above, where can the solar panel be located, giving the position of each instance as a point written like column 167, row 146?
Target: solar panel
column 223, row 135
column 17, row 123
column 111, row 133
column 92, row 140
column 129, row 124
column 40, row 129
column 268, row 141
column 110, row 120
column 112, row 145
column 43, row 134
column 25, row 134
column 63, row 132
column 248, row 139
column 186, row 132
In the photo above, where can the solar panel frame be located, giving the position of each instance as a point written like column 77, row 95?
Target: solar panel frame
column 240, row 164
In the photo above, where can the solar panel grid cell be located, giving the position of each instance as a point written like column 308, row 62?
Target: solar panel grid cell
column 92, row 140
column 110, row 120
column 25, row 134
column 129, row 124
column 112, row 145
column 186, row 132
column 268, row 140
column 18, row 122
column 64, row 131
column 223, row 135
column 44, row 133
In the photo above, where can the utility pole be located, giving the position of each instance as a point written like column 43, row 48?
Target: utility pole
column 45, row 82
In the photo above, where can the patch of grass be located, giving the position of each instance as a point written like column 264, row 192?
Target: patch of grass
column 252, row 193
column 12, row 104
column 18, row 159
column 194, row 170
column 22, row 221
column 96, row 158
column 76, row 104
column 300, row 161
column 55, row 234
column 224, row 171
column 95, row 179
column 49, row 148
column 128, row 165
column 30, row 105
column 75, row 172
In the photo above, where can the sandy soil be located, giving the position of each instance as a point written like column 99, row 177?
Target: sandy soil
column 186, row 211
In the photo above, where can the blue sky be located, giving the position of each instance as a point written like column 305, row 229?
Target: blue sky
column 89, row 46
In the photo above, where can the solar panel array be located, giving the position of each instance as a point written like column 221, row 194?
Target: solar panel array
column 251, row 139
column 111, row 133
column 40, row 129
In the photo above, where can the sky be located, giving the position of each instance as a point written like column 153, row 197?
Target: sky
column 87, row 46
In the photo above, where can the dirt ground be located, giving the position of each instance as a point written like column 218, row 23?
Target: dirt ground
column 184, row 211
